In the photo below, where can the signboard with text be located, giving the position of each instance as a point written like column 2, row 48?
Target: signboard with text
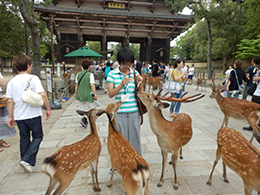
column 116, row 5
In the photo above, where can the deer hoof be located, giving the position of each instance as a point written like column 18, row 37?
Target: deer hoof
column 109, row 185
column 208, row 183
column 170, row 163
column 226, row 180
column 97, row 189
column 181, row 157
column 159, row 185
column 175, row 187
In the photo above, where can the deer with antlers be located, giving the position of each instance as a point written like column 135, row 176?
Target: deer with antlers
column 64, row 164
column 129, row 163
column 240, row 156
column 171, row 135
column 236, row 108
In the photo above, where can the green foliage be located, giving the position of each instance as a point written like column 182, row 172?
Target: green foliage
column 12, row 31
column 94, row 45
column 248, row 48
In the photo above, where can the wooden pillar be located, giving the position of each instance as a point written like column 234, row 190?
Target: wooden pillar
column 168, row 51
column 148, row 49
column 125, row 42
column 143, row 50
column 104, row 46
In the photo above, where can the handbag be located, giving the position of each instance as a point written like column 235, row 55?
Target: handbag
column 252, row 89
column 141, row 107
column 30, row 97
column 172, row 86
column 240, row 87
column 3, row 101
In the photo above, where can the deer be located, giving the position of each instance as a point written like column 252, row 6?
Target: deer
column 133, row 169
column 240, row 156
column 144, row 81
column 201, row 83
column 63, row 165
column 171, row 135
column 154, row 81
column 236, row 108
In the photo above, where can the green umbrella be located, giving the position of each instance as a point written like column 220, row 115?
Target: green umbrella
column 83, row 52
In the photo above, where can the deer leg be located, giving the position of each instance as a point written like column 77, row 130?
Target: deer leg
column 95, row 185
column 218, row 155
column 52, row 184
column 171, row 161
column 225, row 173
column 111, row 179
column 197, row 87
column 174, row 164
column 248, row 191
column 164, row 160
column 181, row 157
column 225, row 121
column 63, row 185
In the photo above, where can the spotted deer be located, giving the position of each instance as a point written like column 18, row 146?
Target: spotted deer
column 63, row 165
column 154, row 82
column 236, row 108
column 240, row 156
column 171, row 135
column 202, row 83
column 133, row 169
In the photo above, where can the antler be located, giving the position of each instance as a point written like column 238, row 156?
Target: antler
column 181, row 99
column 214, row 86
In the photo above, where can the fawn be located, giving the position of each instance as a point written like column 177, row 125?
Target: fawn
column 133, row 169
column 202, row 83
column 63, row 165
column 240, row 156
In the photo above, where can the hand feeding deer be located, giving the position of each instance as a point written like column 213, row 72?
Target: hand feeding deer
column 240, row 156
column 63, row 165
column 128, row 163
column 171, row 135
column 236, row 108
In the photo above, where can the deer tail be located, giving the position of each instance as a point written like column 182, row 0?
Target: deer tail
column 141, row 175
column 48, row 165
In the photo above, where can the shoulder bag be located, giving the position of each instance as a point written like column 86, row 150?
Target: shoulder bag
column 240, row 87
column 252, row 89
column 141, row 106
column 30, row 97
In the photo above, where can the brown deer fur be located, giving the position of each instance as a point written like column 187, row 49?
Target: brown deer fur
column 64, row 164
column 202, row 83
column 237, row 108
column 144, row 81
column 154, row 81
column 171, row 135
column 240, row 156
column 133, row 169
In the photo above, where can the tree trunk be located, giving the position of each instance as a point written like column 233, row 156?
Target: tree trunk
column 35, row 38
column 224, row 63
column 209, row 62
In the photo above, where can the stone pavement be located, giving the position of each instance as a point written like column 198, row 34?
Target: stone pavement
column 199, row 154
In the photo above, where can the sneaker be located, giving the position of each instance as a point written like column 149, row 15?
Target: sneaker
column 110, row 171
column 248, row 128
column 26, row 166
column 84, row 122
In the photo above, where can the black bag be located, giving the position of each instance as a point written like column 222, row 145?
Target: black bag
column 252, row 89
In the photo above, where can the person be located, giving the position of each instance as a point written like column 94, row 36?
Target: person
column 254, row 76
column 106, row 71
column 250, row 72
column 190, row 76
column 138, row 66
column 5, row 130
column 227, row 74
column 178, row 75
column 121, row 86
column 162, row 69
column 146, row 69
column 28, row 118
column 169, row 74
column 237, row 74
column 155, row 68
column 64, row 66
column 84, row 88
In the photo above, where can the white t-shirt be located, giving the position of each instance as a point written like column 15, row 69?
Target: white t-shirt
column 15, row 89
column 92, row 79
column 191, row 70
column 1, row 78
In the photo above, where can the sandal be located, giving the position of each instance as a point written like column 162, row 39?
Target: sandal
column 4, row 143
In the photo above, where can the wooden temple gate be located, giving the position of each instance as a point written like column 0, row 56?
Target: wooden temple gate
column 148, row 22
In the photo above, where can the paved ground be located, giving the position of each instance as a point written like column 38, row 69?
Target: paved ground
column 199, row 154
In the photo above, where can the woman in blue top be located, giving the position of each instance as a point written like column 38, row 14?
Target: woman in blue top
column 121, row 86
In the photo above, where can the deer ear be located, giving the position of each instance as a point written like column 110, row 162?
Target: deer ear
column 81, row 112
column 166, row 105
column 99, row 113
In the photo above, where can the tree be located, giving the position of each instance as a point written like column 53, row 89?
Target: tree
column 13, row 27
column 248, row 48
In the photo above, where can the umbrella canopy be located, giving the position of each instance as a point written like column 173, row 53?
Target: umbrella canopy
column 83, row 52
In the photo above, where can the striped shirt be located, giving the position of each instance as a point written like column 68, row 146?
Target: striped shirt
column 116, row 77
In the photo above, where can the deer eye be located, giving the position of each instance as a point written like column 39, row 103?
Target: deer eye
column 148, row 96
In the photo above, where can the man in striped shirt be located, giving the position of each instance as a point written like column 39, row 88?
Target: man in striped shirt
column 121, row 86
